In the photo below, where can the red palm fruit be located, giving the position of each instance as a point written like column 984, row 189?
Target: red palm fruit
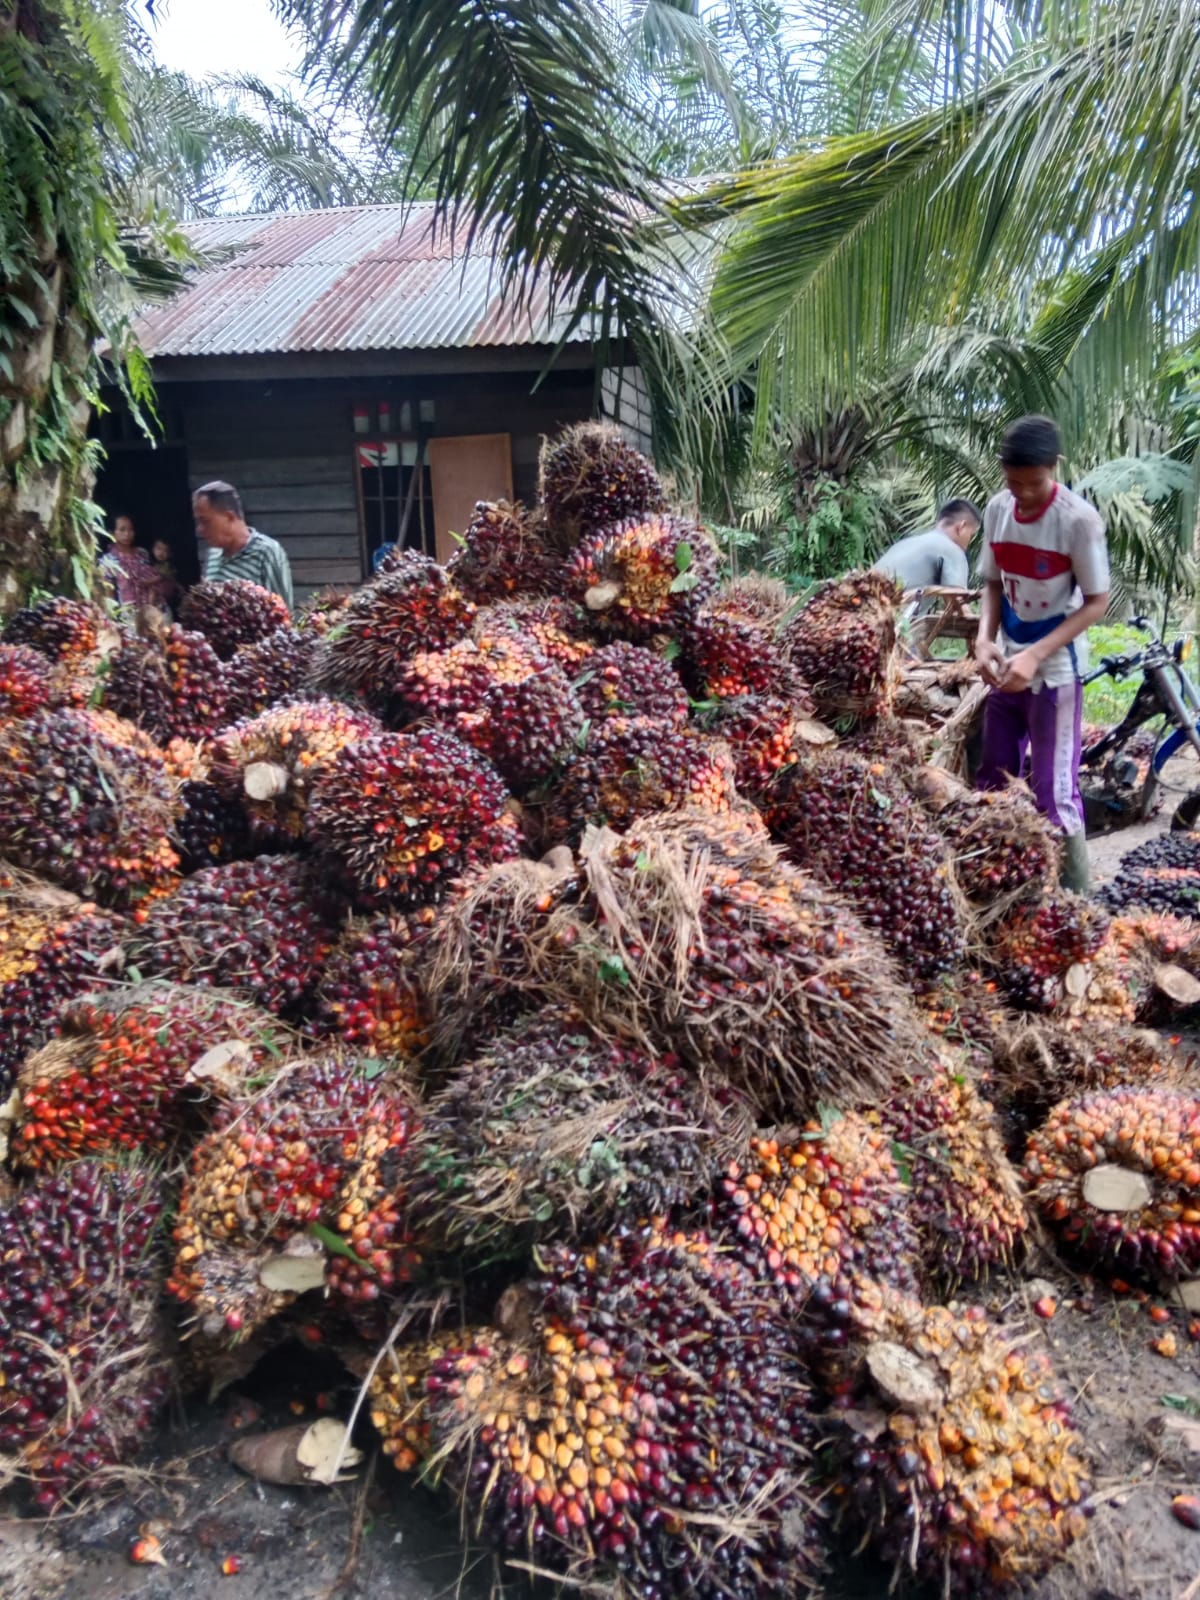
column 629, row 681
column 526, row 731
column 843, row 644
column 633, row 766
column 232, row 614
column 725, row 659
column 262, row 674
column 371, row 995
column 502, row 554
column 445, row 683
column 591, row 477
column 1033, row 947
column 556, row 628
column 764, row 735
column 26, row 682
column 645, row 576
column 404, row 814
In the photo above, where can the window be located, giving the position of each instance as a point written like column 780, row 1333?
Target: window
column 394, row 494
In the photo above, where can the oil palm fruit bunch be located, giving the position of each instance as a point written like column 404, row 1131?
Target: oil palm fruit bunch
column 413, row 607
column 232, row 614
column 627, row 680
column 527, row 732
column 629, row 1460
column 26, row 682
column 211, row 829
column 557, row 1131
column 1161, row 875
column 591, row 477
column 74, row 635
column 136, row 686
column 88, row 804
column 854, row 826
column 271, row 763
column 559, row 629
column 502, row 553
column 135, row 1068
column 443, row 684
column 1002, row 845
column 403, row 814
column 1164, row 951
column 371, row 995
column 965, row 1198
column 259, row 927
column 398, row 1394
column 284, row 1185
column 630, row 767
column 321, row 612
column 643, row 577
column 816, row 1212
column 725, row 659
column 843, row 644
column 764, row 735
column 1035, row 946
column 966, row 1008
column 52, row 947
column 266, row 672
column 170, row 686
column 953, row 1450
column 82, row 1374
column 752, row 598
column 1116, row 1174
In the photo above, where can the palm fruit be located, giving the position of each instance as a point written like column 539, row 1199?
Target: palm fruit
column 629, row 681
column 502, row 553
column 1161, row 875
column 557, row 628
column 88, row 804
column 529, row 731
column 371, row 996
column 1003, row 847
column 136, row 686
column 319, row 1149
column 262, row 674
column 1165, row 951
column 953, row 1450
column 630, row 767
column 82, row 1373
column 52, row 947
column 591, row 477
column 271, row 763
column 761, row 602
column 134, row 1069
column 816, row 1214
column 1034, row 947
column 1116, row 1174
column 763, row 735
column 966, row 1203
column 171, row 686
column 403, row 814
column 232, row 614
column 211, row 829
column 965, row 1008
column 555, row 1131
column 73, row 634
column 258, row 927
column 413, row 607
column 854, row 826
column 321, row 612
column 725, row 659
column 446, row 683
column 26, row 682
column 398, row 1397
column 629, row 1461
column 645, row 576
column 843, row 644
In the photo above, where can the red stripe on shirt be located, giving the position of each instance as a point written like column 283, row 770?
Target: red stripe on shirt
column 1027, row 561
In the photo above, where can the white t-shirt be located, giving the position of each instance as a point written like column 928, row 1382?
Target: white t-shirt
column 1045, row 567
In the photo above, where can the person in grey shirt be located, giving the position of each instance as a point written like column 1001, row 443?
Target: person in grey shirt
column 938, row 557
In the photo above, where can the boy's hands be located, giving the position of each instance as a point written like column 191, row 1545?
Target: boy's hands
column 990, row 660
column 1019, row 672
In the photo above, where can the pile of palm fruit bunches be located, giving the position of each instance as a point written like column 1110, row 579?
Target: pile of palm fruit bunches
column 565, row 957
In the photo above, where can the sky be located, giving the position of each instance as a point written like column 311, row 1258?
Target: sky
column 202, row 37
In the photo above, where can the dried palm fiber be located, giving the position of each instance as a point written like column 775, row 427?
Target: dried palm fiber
column 964, row 1195
column 843, row 643
column 1033, row 947
column 402, row 815
column 261, row 928
column 82, row 1367
column 558, row 1132
column 26, row 682
column 372, row 991
column 590, row 477
column 138, row 1067
column 502, row 553
column 953, row 1451
column 629, row 680
column 751, row 598
column 85, row 800
column 724, row 659
column 749, row 971
column 618, row 1444
column 262, row 674
column 856, row 828
column 1116, row 1174
column 75, row 635
column 527, row 731
column 53, row 946
column 556, row 627
column 644, row 577
column 763, row 734
column 318, row 1149
column 232, row 614
column 413, row 607
column 1162, row 875
column 893, row 740
column 270, row 764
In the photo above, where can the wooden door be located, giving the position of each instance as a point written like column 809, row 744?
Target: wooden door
column 477, row 466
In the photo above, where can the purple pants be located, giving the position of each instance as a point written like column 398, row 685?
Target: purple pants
column 1047, row 723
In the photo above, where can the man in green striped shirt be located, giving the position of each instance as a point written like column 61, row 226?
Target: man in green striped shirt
column 235, row 550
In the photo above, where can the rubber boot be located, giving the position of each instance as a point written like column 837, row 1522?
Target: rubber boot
column 1075, row 871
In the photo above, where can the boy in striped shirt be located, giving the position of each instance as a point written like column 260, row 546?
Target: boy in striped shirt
column 1045, row 567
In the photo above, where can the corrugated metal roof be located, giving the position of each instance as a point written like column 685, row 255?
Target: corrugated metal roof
column 356, row 278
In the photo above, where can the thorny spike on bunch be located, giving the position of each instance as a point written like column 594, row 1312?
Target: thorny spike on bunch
column 26, row 682
column 843, row 644
column 633, row 766
column 502, row 554
column 1034, row 947
column 557, row 1131
column 134, row 1069
column 85, row 800
column 952, row 1449
column 644, row 576
column 82, row 1372
column 371, row 994
column 262, row 674
column 259, row 927
column 527, row 732
column 590, row 477
column 628, row 680
column 405, row 813
column 1144, row 1219
column 232, row 614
